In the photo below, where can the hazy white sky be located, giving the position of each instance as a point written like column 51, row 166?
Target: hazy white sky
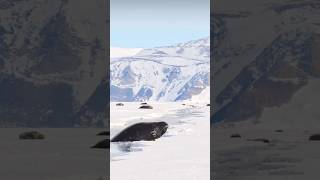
column 150, row 23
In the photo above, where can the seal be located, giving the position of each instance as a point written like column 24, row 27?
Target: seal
column 145, row 107
column 104, row 144
column 104, row 133
column 144, row 131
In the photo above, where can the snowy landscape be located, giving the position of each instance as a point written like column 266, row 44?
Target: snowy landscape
column 174, row 80
column 64, row 154
column 169, row 73
column 183, row 152
column 266, row 91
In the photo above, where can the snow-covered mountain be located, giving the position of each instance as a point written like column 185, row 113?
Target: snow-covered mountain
column 116, row 52
column 263, row 65
column 169, row 73
column 52, row 63
column 203, row 97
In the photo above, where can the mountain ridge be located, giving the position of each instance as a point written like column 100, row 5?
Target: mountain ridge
column 167, row 73
column 265, row 68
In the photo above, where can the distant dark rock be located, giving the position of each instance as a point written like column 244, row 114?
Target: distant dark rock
column 279, row 130
column 260, row 140
column 104, row 133
column 315, row 137
column 208, row 104
column 144, row 103
column 31, row 135
column 119, row 104
column 146, row 107
column 183, row 104
column 104, row 144
column 142, row 132
column 235, row 136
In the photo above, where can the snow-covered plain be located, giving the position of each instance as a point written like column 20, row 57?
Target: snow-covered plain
column 64, row 154
column 183, row 152
column 289, row 155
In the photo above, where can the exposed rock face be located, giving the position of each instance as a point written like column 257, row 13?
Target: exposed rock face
column 256, row 68
column 53, row 63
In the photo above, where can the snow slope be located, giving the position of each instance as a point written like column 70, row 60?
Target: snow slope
column 203, row 97
column 53, row 63
column 262, row 66
column 170, row 73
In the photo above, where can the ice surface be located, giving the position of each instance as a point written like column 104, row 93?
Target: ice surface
column 182, row 153
column 64, row 154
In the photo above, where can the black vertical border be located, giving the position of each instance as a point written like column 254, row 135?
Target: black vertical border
column 211, row 81
column 108, row 81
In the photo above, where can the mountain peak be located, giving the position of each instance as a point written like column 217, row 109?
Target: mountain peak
column 196, row 49
column 170, row 73
column 203, row 42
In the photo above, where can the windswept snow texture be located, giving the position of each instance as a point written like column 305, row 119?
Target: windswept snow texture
column 183, row 152
column 170, row 73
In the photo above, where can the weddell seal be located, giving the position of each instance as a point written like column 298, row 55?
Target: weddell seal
column 145, row 131
column 104, row 144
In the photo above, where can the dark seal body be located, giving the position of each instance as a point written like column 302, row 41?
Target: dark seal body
column 104, row 133
column 142, row 132
column 31, row 135
column 104, row 144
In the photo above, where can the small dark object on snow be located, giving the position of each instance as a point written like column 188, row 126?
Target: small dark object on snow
column 145, row 107
column 315, row 137
column 31, row 135
column 104, row 144
column 104, row 133
column 183, row 104
column 208, row 104
column 279, row 130
column 260, row 140
column 144, row 103
column 119, row 104
column 235, row 136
